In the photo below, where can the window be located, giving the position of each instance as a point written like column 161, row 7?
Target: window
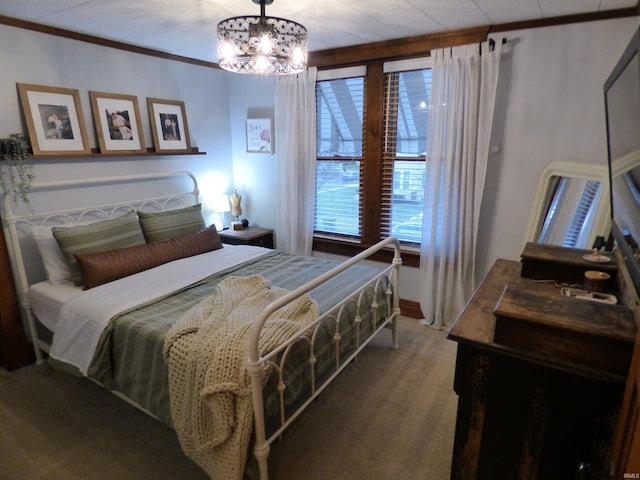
column 583, row 210
column 345, row 160
column 340, row 114
column 407, row 95
column 571, row 212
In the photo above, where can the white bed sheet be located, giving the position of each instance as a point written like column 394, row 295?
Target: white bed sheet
column 84, row 316
column 46, row 300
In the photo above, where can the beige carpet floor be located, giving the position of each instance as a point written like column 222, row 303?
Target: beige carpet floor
column 390, row 416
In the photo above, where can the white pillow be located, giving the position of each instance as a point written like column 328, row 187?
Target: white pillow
column 54, row 263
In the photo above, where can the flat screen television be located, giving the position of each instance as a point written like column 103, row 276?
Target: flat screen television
column 622, row 109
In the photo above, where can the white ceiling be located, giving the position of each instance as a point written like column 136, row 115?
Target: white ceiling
column 188, row 27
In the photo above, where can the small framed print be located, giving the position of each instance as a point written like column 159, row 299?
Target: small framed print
column 259, row 135
column 54, row 120
column 117, row 121
column 169, row 125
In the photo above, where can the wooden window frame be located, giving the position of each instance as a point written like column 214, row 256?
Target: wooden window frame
column 373, row 56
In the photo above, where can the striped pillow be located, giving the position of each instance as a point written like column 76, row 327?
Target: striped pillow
column 120, row 232
column 158, row 226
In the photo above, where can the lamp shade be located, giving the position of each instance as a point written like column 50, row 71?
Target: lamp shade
column 221, row 204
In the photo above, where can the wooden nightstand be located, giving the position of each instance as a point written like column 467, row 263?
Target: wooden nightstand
column 260, row 237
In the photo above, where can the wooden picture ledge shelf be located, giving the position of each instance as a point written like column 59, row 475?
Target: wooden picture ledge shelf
column 95, row 153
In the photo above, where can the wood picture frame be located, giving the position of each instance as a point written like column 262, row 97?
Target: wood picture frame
column 54, row 120
column 259, row 135
column 118, row 123
column 169, row 125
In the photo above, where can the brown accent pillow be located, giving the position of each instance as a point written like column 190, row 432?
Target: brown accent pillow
column 103, row 267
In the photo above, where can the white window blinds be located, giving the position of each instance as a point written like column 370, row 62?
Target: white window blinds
column 340, row 111
column 406, row 114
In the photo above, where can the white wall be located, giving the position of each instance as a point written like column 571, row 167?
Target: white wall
column 36, row 58
column 253, row 173
column 550, row 108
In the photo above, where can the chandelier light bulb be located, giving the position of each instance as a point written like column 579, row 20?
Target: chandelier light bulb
column 261, row 63
column 297, row 56
column 266, row 44
column 227, row 50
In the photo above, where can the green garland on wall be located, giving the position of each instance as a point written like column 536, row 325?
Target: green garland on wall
column 16, row 168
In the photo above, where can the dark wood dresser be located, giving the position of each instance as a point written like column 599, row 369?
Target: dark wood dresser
column 539, row 376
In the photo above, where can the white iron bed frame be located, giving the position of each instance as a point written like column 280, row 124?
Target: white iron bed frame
column 14, row 228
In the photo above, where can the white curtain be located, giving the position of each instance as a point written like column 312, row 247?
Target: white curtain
column 295, row 132
column 462, row 102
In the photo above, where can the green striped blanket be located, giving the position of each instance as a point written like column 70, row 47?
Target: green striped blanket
column 129, row 356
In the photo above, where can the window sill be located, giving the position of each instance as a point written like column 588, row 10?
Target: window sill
column 348, row 249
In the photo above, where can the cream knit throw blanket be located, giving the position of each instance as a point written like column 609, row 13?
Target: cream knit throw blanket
column 206, row 353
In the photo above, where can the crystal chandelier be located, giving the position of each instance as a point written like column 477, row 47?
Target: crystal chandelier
column 262, row 45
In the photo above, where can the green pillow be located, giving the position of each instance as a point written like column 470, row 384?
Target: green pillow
column 158, row 226
column 100, row 236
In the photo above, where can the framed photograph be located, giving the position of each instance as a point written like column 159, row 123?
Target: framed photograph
column 117, row 120
column 54, row 120
column 259, row 135
column 168, row 125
